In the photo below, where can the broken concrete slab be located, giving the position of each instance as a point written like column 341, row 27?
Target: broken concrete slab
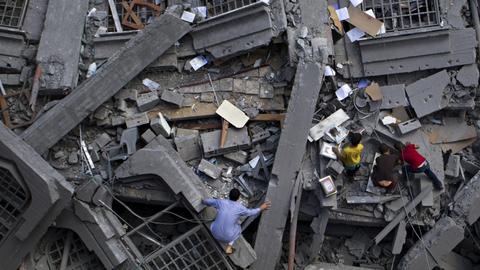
column 400, row 238
column 289, row 155
column 408, row 126
column 148, row 136
column 58, row 52
column 34, row 19
column 428, row 50
column 188, row 144
column 466, row 203
column 426, row 95
column 167, row 164
column 136, row 120
column 468, row 75
column 452, row 130
column 111, row 77
column 408, row 208
column 245, row 29
column 209, row 169
column 437, row 242
column 40, row 194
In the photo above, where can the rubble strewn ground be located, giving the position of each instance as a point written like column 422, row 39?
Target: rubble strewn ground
column 120, row 116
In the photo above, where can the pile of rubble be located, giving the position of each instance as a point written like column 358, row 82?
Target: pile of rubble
column 120, row 116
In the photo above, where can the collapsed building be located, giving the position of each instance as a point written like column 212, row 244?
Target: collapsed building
column 120, row 116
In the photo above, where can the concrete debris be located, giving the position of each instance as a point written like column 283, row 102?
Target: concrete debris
column 121, row 117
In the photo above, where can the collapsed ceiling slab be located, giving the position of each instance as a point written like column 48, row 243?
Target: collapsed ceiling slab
column 122, row 67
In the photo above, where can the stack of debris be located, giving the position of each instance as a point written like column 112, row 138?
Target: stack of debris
column 120, row 117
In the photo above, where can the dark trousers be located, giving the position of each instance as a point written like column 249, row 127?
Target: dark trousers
column 427, row 171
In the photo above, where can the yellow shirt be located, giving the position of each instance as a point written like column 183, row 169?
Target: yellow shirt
column 351, row 155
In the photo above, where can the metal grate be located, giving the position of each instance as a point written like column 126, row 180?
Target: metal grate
column 79, row 258
column 143, row 12
column 12, row 12
column 193, row 250
column 217, row 7
column 13, row 200
column 405, row 14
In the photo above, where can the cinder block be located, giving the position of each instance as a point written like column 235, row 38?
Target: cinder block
column 173, row 97
column 148, row 136
column 137, row 120
column 161, row 126
column 409, row 126
column 147, row 101
column 239, row 156
column 209, row 169
column 188, row 145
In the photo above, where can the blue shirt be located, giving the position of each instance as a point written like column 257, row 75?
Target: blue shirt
column 226, row 227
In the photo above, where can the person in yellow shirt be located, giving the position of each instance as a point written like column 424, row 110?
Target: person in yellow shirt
column 351, row 155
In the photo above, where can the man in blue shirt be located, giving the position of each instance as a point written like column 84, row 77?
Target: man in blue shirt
column 226, row 227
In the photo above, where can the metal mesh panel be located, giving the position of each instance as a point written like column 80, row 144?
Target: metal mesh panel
column 79, row 257
column 13, row 200
column 405, row 14
column 193, row 250
column 217, row 7
column 11, row 12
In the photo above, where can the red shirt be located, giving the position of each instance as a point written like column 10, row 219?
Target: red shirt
column 411, row 156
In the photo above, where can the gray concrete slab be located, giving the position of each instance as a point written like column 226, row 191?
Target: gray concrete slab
column 289, row 156
column 45, row 194
column 393, row 96
column 438, row 242
column 426, row 95
column 34, row 19
column 138, row 53
column 400, row 238
column 387, row 55
column 58, row 52
column 468, row 75
column 160, row 159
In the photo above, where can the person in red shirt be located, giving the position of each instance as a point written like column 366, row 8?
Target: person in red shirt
column 416, row 163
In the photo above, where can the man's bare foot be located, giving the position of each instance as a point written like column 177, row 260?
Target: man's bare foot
column 229, row 249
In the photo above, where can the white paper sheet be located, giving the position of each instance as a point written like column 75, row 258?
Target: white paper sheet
column 356, row 2
column 343, row 14
column 188, row 16
column 329, row 71
column 355, row 34
column 343, row 92
column 198, row 62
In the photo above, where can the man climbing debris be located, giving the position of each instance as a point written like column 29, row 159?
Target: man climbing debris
column 416, row 163
column 226, row 227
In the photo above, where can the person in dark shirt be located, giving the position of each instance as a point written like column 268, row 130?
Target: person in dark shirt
column 382, row 174
column 416, row 163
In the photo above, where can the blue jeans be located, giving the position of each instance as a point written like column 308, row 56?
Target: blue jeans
column 427, row 171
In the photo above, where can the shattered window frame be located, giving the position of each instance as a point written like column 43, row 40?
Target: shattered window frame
column 12, row 13
column 410, row 17
column 218, row 7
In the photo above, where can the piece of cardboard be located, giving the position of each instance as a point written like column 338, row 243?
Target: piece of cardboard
column 335, row 19
column 232, row 114
column 363, row 21
column 374, row 92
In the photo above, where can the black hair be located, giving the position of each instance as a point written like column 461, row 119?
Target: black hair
column 384, row 148
column 354, row 138
column 234, row 194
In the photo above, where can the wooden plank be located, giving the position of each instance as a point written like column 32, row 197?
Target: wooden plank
column 223, row 137
column 5, row 113
column 267, row 117
column 116, row 19
column 196, row 111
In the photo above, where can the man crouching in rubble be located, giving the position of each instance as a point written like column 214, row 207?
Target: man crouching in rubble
column 383, row 172
column 416, row 163
column 226, row 227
